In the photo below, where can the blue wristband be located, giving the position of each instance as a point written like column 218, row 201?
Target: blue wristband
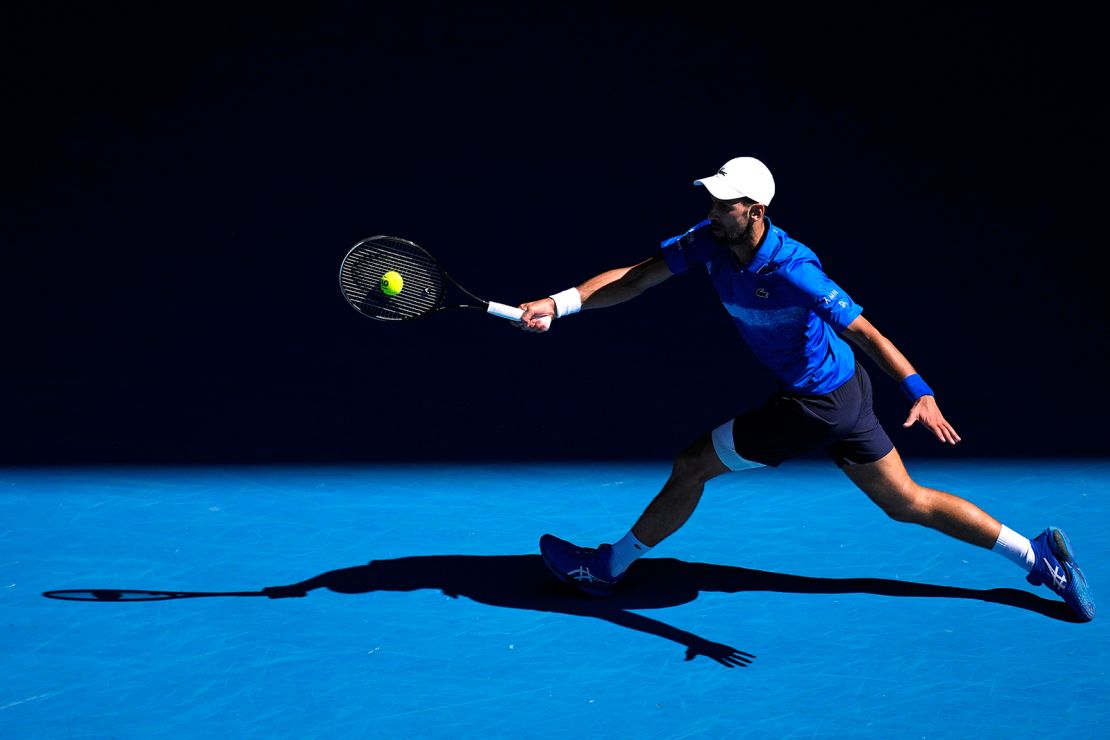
column 914, row 387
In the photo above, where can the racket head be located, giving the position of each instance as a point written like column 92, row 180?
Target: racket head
column 360, row 274
column 110, row 594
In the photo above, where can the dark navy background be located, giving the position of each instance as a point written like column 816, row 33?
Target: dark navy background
column 180, row 186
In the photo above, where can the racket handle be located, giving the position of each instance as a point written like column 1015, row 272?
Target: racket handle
column 512, row 313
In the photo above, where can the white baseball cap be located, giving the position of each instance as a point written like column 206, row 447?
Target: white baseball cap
column 742, row 177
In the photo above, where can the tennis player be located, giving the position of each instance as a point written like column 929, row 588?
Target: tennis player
column 801, row 325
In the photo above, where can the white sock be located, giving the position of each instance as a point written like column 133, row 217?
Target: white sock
column 625, row 553
column 1015, row 548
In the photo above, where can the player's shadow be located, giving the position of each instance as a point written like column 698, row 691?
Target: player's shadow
column 523, row 582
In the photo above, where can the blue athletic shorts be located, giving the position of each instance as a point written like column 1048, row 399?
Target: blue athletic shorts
column 841, row 422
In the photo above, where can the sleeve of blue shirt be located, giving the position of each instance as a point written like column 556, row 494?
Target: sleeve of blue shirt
column 691, row 248
column 829, row 301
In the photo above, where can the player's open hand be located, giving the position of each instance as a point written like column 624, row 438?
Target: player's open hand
column 538, row 316
column 925, row 410
column 727, row 656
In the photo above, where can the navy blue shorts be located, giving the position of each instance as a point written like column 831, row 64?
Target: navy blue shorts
column 842, row 423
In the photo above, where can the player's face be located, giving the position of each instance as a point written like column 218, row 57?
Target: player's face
column 729, row 219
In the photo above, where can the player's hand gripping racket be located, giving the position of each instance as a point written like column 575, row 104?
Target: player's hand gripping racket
column 393, row 279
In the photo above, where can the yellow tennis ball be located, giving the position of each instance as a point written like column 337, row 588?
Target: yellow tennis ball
column 392, row 283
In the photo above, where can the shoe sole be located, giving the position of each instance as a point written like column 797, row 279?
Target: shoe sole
column 1062, row 546
column 1062, row 549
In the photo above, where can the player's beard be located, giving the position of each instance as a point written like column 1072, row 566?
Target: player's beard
column 734, row 237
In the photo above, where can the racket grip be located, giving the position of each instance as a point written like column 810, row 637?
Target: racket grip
column 512, row 313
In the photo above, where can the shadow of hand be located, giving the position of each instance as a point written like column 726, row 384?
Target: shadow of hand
column 285, row 592
column 723, row 654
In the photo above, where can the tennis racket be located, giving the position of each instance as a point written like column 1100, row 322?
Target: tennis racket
column 392, row 279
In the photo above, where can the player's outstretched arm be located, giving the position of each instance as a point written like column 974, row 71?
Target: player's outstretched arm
column 880, row 349
column 601, row 291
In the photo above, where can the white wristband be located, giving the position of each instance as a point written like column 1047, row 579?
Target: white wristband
column 567, row 302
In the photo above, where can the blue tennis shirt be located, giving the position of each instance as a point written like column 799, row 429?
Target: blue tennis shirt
column 787, row 309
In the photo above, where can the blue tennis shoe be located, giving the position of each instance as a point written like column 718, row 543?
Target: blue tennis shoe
column 585, row 568
column 1057, row 569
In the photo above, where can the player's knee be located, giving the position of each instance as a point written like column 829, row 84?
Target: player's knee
column 901, row 512
column 910, row 504
column 696, row 462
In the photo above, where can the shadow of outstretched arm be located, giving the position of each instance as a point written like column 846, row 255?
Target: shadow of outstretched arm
column 726, row 655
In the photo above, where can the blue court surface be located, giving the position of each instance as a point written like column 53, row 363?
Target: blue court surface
column 413, row 604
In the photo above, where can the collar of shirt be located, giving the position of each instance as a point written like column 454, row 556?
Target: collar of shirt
column 771, row 243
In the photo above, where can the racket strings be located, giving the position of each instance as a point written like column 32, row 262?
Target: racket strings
column 362, row 270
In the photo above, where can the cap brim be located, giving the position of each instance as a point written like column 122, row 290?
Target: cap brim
column 719, row 189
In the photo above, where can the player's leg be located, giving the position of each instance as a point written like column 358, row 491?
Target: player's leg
column 888, row 484
column 1048, row 558
column 673, row 505
column 864, row 451
column 597, row 570
column 777, row 431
